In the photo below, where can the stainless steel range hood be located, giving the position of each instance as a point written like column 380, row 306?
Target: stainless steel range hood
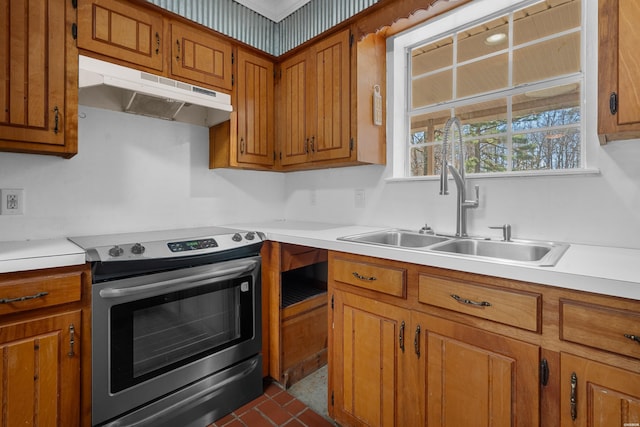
column 110, row 86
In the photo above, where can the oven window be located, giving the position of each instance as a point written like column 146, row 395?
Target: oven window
column 159, row 334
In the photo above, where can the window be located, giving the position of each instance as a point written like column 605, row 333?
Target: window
column 513, row 78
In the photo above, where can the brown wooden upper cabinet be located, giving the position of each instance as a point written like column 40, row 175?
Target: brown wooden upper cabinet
column 618, row 70
column 254, row 106
column 144, row 38
column 38, row 94
column 314, row 103
column 200, row 56
column 123, row 31
column 247, row 139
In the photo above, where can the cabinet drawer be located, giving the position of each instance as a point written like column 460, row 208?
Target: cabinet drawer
column 385, row 279
column 514, row 308
column 34, row 293
column 295, row 256
column 601, row 327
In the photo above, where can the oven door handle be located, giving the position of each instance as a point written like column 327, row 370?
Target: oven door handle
column 231, row 272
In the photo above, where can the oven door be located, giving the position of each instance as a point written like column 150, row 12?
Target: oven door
column 155, row 334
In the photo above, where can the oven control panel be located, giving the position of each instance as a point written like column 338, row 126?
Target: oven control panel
column 191, row 245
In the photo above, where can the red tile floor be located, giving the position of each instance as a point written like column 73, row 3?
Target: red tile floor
column 275, row 407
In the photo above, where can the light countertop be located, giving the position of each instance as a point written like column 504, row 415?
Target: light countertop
column 598, row 269
column 37, row 254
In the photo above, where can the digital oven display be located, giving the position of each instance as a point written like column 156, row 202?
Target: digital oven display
column 192, row 245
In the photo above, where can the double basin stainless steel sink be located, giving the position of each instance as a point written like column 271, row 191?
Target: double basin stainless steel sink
column 523, row 252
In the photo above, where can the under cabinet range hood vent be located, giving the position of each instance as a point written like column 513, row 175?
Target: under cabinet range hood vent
column 110, row 86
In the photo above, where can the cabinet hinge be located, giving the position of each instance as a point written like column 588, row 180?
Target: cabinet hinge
column 281, row 155
column 74, row 31
column 331, row 302
column 233, row 58
column 74, row 3
column 544, row 372
column 351, row 144
column 351, row 39
column 332, row 398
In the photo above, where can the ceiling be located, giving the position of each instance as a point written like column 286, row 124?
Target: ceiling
column 276, row 10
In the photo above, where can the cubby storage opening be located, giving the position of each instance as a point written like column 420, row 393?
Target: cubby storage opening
column 303, row 283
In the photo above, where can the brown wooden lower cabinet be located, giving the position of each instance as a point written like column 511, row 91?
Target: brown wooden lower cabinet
column 40, row 371
column 403, row 368
column 45, row 348
column 594, row 394
column 449, row 349
column 294, row 286
column 467, row 376
column 367, row 378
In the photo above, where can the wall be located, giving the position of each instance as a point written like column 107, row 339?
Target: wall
column 600, row 209
column 132, row 173
column 241, row 23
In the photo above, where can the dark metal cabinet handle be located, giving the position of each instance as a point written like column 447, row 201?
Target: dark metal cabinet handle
column 313, row 150
column 306, row 145
column 72, row 340
column 25, row 298
column 470, row 302
column 241, row 145
column 544, row 372
column 157, row 43
column 401, row 336
column 635, row 338
column 56, row 119
column 573, row 398
column 613, row 103
column 178, row 46
column 359, row 277
column 416, row 341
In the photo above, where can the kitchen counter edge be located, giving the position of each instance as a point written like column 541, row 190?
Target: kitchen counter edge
column 597, row 269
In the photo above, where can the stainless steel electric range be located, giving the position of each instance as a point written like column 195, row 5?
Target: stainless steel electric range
column 176, row 325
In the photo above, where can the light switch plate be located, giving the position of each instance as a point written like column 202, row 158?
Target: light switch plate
column 12, row 201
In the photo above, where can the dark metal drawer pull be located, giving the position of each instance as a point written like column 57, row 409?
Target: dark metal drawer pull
column 416, row 341
column 357, row 276
column 25, row 298
column 469, row 302
column 401, row 337
column 635, row 338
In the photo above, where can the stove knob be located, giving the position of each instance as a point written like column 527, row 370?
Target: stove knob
column 137, row 249
column 236, row 237
column 116, row 251
column 250, row 235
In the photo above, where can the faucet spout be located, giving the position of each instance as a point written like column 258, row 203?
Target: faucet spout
column 458, row 176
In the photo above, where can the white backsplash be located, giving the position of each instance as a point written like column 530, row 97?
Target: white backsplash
column 132, row 173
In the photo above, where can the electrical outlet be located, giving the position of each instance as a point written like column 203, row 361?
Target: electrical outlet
column 359, row 201
column 11, row 201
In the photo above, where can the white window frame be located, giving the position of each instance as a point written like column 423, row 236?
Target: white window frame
column 398, row 84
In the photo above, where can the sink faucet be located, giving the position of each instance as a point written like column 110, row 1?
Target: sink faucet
column 458, row 176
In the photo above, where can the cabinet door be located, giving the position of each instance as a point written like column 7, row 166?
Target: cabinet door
column 330, row 94
column 200, row 57
column 368, row 338
column 618, row 70
column 470, row 377
column 122, row 31
column 255, row 109
column 597, row 395
column 40, row 372
column 35, row 114
column 293, row 130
